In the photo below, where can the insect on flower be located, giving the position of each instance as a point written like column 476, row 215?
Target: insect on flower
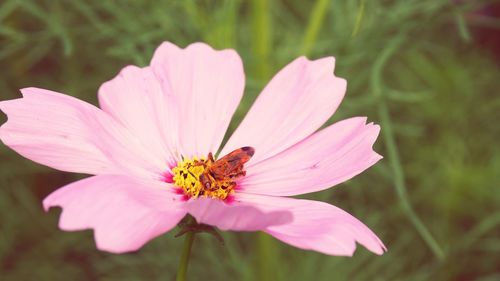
column 149, row 148
column 226, row 169
column 210, row 178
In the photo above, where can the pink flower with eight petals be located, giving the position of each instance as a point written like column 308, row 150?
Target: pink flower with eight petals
column 148, row 143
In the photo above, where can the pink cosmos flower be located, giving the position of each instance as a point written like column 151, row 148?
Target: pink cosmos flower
column 149, row 143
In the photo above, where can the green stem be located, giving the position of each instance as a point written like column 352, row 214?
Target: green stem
column 183, row 265
column 399, row 181
column 463, row 29
column 261, row 25
column 392, row 151
column 313, row 27
column 267, row 257
column 359, row 17
column 267, row 253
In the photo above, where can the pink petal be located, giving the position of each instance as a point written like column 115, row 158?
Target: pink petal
column 329, row 157
column 317, row 226
column 123, row 212
column 297, row 101
column 205, row 87
column 135, row 98
column 235, row 216
column 70, row 135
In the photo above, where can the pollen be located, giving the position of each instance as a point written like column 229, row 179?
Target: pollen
column 193, row 177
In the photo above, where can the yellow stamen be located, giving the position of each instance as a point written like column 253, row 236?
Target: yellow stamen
column 186, row 175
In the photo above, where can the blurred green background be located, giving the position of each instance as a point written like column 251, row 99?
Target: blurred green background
column 427, row 71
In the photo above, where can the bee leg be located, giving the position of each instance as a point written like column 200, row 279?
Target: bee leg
column 238, row 174
column 229, row 185
column 211, row 157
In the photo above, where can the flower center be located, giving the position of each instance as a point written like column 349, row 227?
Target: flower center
column 196, row 177
column 209, row 178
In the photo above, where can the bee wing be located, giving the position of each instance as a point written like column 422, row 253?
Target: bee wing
column 240, row 155
column 233, row 161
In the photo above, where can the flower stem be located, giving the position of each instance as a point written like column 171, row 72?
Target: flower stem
column 183, row 265
column 266, row 258
column 392, row 151
column 261, row 26
column 267, row 252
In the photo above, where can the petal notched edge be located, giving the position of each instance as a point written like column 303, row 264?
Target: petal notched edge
column 124, row 213
column 317, row 226
column 206, row 86
column 327, row 158
column 49, row 128
column 135, row 99
column 295, row 103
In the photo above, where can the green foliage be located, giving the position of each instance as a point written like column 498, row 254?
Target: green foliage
column 412, row 66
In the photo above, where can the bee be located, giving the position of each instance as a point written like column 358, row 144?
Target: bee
column 226, row 169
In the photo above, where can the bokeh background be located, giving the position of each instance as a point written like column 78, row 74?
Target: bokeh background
column 427, row 71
